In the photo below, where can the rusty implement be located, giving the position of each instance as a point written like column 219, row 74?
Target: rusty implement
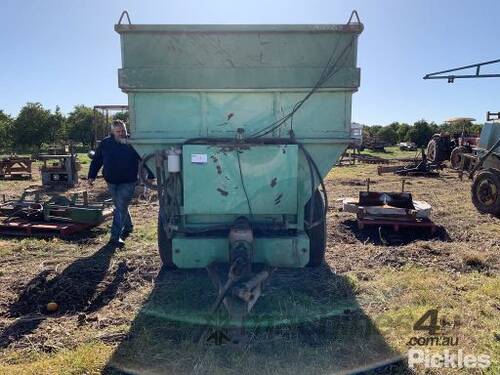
column 393, row 209
column 24, row 227
column 15, row 168
column 415, row 169
column 382, row 169
column 421, row 167
column 386, row 204
column 60, row 169
column 77, row 209
column 35, row 206
column 370, row 159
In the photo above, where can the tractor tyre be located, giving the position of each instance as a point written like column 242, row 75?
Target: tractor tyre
column 485, row 191
column 431, row 150
column 317, row 234
column 456, row 157
column 435, row 151
column 165, row 247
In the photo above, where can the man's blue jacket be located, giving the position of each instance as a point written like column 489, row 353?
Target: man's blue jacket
column 120, row 162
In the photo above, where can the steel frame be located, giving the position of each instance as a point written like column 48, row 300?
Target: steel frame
column 101, row 127
column 451, row 77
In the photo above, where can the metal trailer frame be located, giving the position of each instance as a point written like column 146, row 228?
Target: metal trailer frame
column 64, row 172
column 211, row 100
column 485, row 159
column 15, row 167
column 101, row 129
column 214, row 111
column 451, row 77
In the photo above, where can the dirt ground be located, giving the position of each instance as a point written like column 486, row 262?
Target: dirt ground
column 118, row 314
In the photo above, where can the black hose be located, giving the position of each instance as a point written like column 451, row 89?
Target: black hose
column 313, row 193
column 328, row 72
column 322, row 183
column 143, row 170
column 243, row 184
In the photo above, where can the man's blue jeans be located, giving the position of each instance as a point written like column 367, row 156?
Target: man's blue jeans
column 122, row 195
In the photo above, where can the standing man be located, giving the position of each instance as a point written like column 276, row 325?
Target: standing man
column 120, row 164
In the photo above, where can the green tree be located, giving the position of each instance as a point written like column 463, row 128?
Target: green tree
column 371, row 131
column 456, row 127
column 5, row 132
column 121, row 116
column 30, row 128
column 388, row 134
column 422, row 132
column 394, row 126
column 476, row 129
column 55, row 126
column 402, row 132
column 79, row 125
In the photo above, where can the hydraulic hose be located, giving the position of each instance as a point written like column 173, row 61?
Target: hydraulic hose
column 143, row 171
column 322, row 183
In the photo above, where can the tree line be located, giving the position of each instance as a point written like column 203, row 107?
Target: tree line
column 35, row 127
column 420, row 132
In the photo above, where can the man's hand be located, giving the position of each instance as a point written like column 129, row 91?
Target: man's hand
column 90, row 182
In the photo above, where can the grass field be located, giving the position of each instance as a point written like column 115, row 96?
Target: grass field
column 119, row 314
column 391, row 152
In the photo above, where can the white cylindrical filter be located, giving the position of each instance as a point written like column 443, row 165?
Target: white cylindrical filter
column 174, row 161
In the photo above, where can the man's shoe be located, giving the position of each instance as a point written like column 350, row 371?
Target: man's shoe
column 119, row 243
column 126, row 234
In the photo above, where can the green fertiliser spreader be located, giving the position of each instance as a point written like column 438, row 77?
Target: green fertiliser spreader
column 239, row 124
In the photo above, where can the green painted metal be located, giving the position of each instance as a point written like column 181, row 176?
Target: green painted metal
column 325, row 116
column 286, row 251
column 490, row 134
column 268, row 175
column 82, row 215
column 234, row 56
column 192, row 81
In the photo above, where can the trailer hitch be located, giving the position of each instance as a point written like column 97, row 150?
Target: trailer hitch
column 237, row 296
column 242, row 288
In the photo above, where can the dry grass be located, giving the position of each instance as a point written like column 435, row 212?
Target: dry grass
column 116, row 314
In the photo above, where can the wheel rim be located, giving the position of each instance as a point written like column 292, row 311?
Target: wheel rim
column 431, row 151
column 487, row 192
column 456, row 159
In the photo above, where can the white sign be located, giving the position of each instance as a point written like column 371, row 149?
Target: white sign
column 199, row 158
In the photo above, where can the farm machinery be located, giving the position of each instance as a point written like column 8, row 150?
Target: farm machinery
column 103, row 116
column 482, row 165
column 15, row 167
column 481, row 160
column 445, row 146
column 60, row 167
column 240, row 123
column 36, row 212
